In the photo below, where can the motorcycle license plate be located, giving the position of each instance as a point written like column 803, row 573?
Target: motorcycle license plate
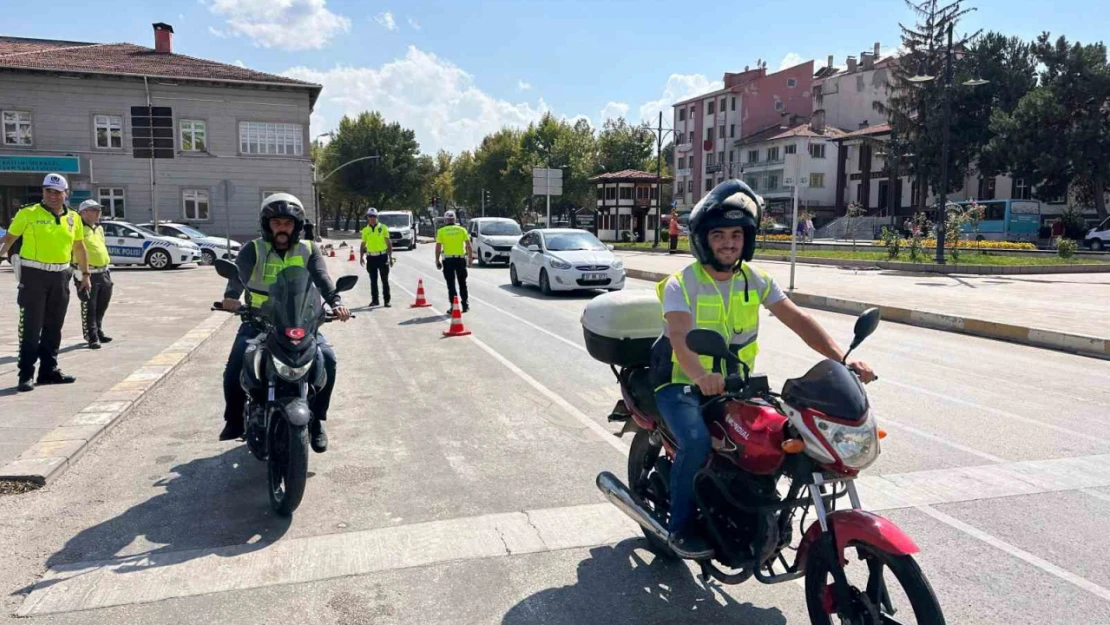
column 593, row 277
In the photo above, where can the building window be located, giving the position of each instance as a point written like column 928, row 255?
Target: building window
column 732, row 131
column 721, row 131
column 1022, row 190
column 708, row 184
column 112, row 199
column 654, row 192
column 626, row 193
column 731, row 155
column 610, row 193
column 752, row 181
column 772, row 182
column 817, row 181
column 17, row 127
column 641, row 193
column 915, row 193
column 266, row 138
column 709, row 108
column 772, row 154
column 195, row 204
column 709, row 133
column 681, row 114
column 817, row 150
column 601, row 193
column 691, row 136
column 791, row 82
column 753, row 156
column 691, row 111
column 709, row 159
column 722, row 109
column 790, row 149
column 625, row 222
column 733, row 104
column 681, row 187
column 109, row 131
column 779, row 106
column 682, row 162
column 986, row 188
column 194, row 135
column 721, row 157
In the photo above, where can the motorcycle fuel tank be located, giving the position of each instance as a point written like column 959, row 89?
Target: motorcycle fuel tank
column 750, row 436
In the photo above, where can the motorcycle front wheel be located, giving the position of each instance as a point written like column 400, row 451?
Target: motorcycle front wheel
column 288, row 465
column 886, row 589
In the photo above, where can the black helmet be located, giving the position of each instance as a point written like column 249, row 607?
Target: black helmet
column 281, row 205
column 730, row 204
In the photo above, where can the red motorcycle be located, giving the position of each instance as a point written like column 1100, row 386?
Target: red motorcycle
column 775, row 458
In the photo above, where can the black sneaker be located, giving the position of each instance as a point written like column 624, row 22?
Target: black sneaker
column 26, row 385
column 687, row 544
column 387, row 305
column 318, row 436
column 55, row 377
column 104, row 338
column 233, row 430
column 466, row 306
column 374, row 303
column 94, row 345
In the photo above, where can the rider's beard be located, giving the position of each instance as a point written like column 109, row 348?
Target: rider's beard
column 281, row 241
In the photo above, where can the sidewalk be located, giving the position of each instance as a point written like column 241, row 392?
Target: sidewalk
column 1025, row 309
column 151, row 312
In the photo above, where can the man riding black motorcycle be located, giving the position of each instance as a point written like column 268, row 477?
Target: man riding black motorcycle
column 282, row 221
column 721, row 291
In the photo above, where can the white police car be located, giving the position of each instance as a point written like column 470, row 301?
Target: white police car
column 211, row 248
column 129, row 244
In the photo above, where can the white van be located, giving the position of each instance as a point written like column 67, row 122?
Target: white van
column 493, row 238
column 1098, row 238
column 402, row 228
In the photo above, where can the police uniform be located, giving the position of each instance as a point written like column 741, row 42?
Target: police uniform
column 43, row 298
column 376, row 240
column 453, row 238
column 95, row 303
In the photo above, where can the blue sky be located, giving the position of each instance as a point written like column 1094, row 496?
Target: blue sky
column 455, row 71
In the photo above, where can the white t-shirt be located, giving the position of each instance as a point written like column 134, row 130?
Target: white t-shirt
column 675, row 301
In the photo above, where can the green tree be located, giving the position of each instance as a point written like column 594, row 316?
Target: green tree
column 555, row 144
column 1058, row 136
column 624, row 146
column 388, row 182
column 508, row 186
column 466, row 181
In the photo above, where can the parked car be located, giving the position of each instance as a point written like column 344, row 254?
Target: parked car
column 562, row 259
column 777, row 228
column 401, row 226
column 129, row 244
column 211, row 248
column 493, row 238
column 1098, row 238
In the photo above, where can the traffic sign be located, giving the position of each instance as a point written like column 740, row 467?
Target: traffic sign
column 547, row 181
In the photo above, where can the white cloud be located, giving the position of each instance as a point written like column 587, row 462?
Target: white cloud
column 523, row 86
column 614, row 110
column 287, row 24
column 239, row 63
column 217, row 33
column 413, row 23
column 386, row 20
column 436, row 98
column 679, row 87
column 790, row 60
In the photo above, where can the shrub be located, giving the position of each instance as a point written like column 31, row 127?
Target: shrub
column 1066, row 248
column 892, row 241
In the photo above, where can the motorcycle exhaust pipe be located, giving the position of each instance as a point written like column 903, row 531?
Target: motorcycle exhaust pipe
column 619, row 495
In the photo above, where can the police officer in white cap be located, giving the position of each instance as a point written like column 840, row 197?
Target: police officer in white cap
column 94, row 302
column 52, row 236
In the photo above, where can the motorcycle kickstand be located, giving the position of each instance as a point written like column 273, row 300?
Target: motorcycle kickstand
column 704, row 576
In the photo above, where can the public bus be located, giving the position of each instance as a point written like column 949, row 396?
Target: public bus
column 1006, row 220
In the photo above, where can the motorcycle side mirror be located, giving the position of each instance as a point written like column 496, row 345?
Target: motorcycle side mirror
column 709, row 343
column 866, row 324
column 345, row 283
column 228, row 270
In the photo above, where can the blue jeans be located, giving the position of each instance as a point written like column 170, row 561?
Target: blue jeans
column 683, row 416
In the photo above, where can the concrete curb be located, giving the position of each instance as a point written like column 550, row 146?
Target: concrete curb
column 55, row 452
column 1081, row 344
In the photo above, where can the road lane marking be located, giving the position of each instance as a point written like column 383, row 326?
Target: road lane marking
column 886, row 421
column 1020, row 554
column 160, row 576
column 555, row 398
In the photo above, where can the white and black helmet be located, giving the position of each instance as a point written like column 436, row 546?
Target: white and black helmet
column 730, row 204
column 281, row 205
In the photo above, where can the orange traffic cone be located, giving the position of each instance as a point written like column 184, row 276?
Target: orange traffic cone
column 421, row 301
column 331, row 252
column 352, row 258
column 457, row 328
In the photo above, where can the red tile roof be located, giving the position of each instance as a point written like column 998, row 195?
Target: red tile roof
column 627, row 175
column 780, row 131
column 879, row 129
column 128, row 60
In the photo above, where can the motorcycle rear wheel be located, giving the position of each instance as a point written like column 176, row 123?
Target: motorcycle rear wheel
column 867, row 605
column 641, row 460
column 287, row 466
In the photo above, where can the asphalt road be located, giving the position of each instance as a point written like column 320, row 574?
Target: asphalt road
column 459, row 486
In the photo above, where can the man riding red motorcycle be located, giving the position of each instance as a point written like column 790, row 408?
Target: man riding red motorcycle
column 721, row 291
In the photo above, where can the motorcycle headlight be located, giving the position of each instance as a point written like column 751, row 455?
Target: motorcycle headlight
column 559, row 264
column 292, row 374
column 617, row 264
column 857, row 446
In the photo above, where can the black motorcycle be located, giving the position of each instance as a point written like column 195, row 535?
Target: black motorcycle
column 282, row 367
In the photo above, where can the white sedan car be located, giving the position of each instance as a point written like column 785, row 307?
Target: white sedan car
column 561, row 259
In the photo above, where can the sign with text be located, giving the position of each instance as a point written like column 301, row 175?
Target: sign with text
column 40, row 164
column 547, row 181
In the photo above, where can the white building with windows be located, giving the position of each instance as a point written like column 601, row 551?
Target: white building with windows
column 147, row 130
column 774, row 157
column 626, row 205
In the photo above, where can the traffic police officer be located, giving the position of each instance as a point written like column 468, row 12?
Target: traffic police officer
column 94, row 302
column 453, row 242
column 376, row 255
column 52, row 236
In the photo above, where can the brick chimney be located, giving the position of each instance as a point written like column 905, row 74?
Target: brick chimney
column 876, row 50
column 163, row 38
column 851, row 64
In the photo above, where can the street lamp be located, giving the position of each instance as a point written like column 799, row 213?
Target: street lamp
column 659, row 134
column 922, row 78
column 317, row 182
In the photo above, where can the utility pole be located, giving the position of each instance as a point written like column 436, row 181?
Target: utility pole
column 483, row 202
column 658, row 179
column 941, row 217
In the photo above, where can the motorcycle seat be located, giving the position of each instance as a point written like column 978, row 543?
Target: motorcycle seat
column 638, row 381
